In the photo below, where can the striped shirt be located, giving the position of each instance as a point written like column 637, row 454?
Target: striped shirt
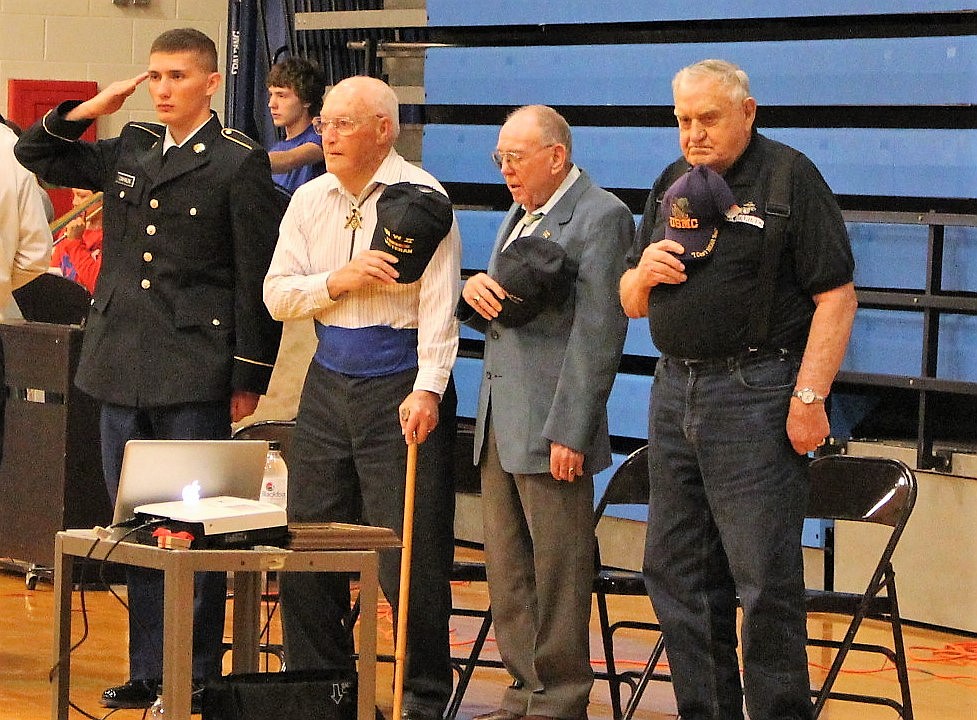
column 313, row 242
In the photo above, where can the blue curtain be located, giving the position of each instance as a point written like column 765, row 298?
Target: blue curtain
column 260, row 32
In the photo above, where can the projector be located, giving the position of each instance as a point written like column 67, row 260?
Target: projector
column 221, row 522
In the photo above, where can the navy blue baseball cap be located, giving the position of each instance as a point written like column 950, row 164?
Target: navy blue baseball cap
column 412, row 220
column 535, row 273
column 695, row 206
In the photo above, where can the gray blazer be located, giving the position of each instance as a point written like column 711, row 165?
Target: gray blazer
column 548, row 381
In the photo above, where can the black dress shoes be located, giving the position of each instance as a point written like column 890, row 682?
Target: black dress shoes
column 413, row 714
column 137, row 694
column 500, row 714
column 134, row 694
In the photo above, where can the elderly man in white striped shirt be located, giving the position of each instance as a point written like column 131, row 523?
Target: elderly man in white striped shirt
column 381, row 375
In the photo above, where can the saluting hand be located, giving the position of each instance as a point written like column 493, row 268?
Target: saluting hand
column 108, row 101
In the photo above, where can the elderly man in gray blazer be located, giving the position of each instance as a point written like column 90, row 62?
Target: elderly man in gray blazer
column 541, row 431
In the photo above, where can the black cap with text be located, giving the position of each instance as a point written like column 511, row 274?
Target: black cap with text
column 694, row 207
column 412, row 220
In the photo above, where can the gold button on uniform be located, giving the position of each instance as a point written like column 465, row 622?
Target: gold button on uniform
column 147, row 256
column 193, row 211
column 215, row 322
column 154, row 203
column 150, row 229
column 145, row 284
column 122, row 193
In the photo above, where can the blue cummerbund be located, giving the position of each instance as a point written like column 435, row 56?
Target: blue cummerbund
column 372, row 351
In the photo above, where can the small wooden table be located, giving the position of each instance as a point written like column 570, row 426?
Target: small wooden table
column 358, row 555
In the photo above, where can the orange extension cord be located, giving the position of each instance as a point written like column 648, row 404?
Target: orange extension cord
column 961, row 654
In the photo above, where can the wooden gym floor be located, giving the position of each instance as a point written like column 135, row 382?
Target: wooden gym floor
column 943, row 666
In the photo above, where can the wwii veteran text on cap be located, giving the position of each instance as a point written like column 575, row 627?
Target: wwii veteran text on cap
column 411, row 222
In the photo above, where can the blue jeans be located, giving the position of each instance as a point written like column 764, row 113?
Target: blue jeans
column 727, row 503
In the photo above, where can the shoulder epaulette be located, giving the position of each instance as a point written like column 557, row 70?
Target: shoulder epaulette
column 154, row 129
column 236, row 136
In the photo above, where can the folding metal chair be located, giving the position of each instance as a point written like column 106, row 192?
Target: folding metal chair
column 864, row 490
column 279, row 431
column 628, row 486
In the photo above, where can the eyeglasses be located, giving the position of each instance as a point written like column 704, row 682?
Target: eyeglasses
column 344, row 126
column 515, row 159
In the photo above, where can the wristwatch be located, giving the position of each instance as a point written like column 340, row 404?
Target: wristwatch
column 807, row 396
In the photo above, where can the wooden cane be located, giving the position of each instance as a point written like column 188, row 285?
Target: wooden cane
column 407, row 538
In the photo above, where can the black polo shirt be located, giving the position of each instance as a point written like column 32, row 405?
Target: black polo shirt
column 709, row 315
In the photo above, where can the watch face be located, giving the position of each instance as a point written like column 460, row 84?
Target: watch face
column 806, row 395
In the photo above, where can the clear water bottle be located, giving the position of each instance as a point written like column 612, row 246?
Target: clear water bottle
column 274, row 484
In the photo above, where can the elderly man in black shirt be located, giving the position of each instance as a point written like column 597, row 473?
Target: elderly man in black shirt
column 751, row 302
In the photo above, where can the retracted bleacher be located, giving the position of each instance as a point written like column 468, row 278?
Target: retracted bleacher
column 880, row 96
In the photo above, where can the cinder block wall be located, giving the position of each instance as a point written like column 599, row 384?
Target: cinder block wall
column 98, row 40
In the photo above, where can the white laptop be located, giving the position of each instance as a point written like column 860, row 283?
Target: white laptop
column 155, row 471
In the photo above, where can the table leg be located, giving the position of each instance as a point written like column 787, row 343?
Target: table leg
column 247, row 631
column 367, row 682
column 177, row 637
column 60, row 681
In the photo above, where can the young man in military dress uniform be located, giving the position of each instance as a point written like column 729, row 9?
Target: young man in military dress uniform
column 178, row 343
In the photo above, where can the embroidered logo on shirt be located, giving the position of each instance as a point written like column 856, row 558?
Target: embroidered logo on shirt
column 745, row 214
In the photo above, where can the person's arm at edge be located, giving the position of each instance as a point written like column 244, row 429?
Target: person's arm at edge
column 834, row 315
column 282, row 161
column 33, row 254
column 437, row 338
column 594, row 344
column 86, row 264
column 255, row 217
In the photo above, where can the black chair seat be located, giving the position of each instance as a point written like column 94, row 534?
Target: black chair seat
column 467, row 571
column 614, row 581
column 841, row 603
column 51, row 298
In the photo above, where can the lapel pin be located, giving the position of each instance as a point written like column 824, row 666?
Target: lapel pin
column 199, row 148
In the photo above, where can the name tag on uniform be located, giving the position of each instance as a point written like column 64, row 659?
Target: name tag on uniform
column 126, row 179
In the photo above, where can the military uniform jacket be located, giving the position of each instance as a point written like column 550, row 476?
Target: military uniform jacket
column 177, row 314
